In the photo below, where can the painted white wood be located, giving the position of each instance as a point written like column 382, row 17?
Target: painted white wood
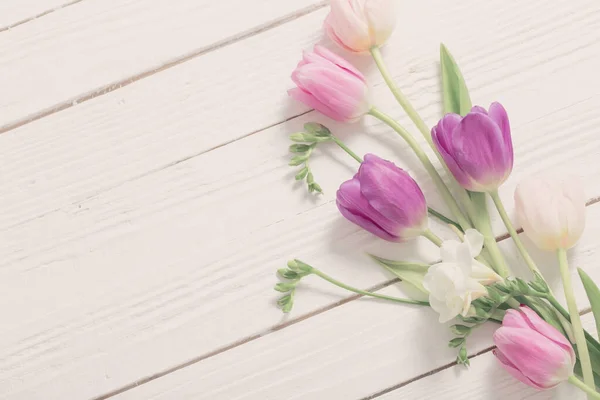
column 122, row 258
column 16, row 12
column 484, row 380
column 97, row 45
column 353, row 351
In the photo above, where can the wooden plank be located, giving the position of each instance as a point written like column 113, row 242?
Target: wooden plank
column 17, row 12
column 353, row 352
column 97, row 46
column 131, row 251
column 484, row 380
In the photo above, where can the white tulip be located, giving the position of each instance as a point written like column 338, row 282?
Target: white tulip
column 459, row 279
column 551, row 210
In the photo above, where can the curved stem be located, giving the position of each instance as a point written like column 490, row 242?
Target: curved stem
column 402, row 99
column 346, row 149
column 364, row 292
column 433, row 238
column 582, row 349
column 573, row 380
column 513, row 233
column 418, row 121
column 435, row 176
column 443, row 218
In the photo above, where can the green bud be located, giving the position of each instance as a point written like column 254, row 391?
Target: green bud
column 303, row 137
column 539, row 284
column 473, row 320
column 299, row 148
column 292, row 264
column 302, row 266
column 522, row 286
column 460, row 330
column 310, row 178
column 288, row 274
column 285, row 286
column 315, row 187
column 502, row 287
column 288, row 306
column 302, row 174
column 463, row 358
column 317, row 129
column 495, row 295
column 298, row 160
column 283, row 300
column 456, row 342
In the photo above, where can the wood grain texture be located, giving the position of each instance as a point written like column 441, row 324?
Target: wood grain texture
column 138, row 237
column 98, row 45
column 355, row 351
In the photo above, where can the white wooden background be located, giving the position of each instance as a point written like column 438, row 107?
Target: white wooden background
column 146, row 201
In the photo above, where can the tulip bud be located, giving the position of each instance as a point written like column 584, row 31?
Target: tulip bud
column 532, row 350
column 551, row 210
column 384, row 200
column 477, row 148
column 359, row 25
column 331, row 85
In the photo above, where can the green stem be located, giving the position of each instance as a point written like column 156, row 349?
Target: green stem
column 513, row 233
column 482, row 223
column 443, row 218
column 584, row 356
column 437, row 179
column 402, row 99
column 586, row 388
column 346, row 149
column 364, row 292
column 433, row 238
column 417, row 120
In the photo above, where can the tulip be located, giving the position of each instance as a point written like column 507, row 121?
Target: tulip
column 551, row 210
column 359, row 25
column 459, row 279
column 477, row 148
column 331, row 85
column 384, row 200
column 532, row 350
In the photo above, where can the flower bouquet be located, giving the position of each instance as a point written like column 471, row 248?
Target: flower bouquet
column 539, row 342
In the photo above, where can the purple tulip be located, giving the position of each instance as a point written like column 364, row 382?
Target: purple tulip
column 384, row 200
column 477, row 148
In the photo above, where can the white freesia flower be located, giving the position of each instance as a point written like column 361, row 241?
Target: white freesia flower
column 459, row 279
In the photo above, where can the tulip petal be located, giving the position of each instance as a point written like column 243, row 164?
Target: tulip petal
column 479, row 149
column 381, row 16
column 311, row 101
column 366, row 224
column 500, row 117
column 512, row 370
column 349, row 26
column 442, row 136
column 337, row 60
column 542, row 327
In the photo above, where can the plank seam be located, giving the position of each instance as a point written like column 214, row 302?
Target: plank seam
column 175, row 62
column 295, row 321
column 50, row 11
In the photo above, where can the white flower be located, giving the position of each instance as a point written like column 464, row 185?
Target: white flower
column 459, row 279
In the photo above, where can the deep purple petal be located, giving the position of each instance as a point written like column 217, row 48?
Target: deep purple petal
column 350, row 197
column 479, row 149
column 366, row 224
column 500, row 117
column 442, row 138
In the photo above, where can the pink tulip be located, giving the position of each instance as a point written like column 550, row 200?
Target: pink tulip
column 532, row 350
column 331, row 85
column 359, row 25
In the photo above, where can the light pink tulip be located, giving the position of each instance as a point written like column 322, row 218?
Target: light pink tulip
column 532, row 350
column 331, row 85
column 359, row 25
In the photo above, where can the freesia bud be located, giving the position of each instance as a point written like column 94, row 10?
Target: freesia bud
column 359, row 25
column 477, row 148
column 331, row 85
column 551, row 210
column 384, row 200
column 532, row 350
column 459, row 279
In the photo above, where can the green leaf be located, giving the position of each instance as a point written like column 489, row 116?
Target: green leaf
column 409, row 272
column 455, row 92
column 302, row 174
column 593, row 293
column 456, row 342
column 299, row 148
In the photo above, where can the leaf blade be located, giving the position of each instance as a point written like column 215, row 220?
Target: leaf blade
column 593, row 294
column 455, row 92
